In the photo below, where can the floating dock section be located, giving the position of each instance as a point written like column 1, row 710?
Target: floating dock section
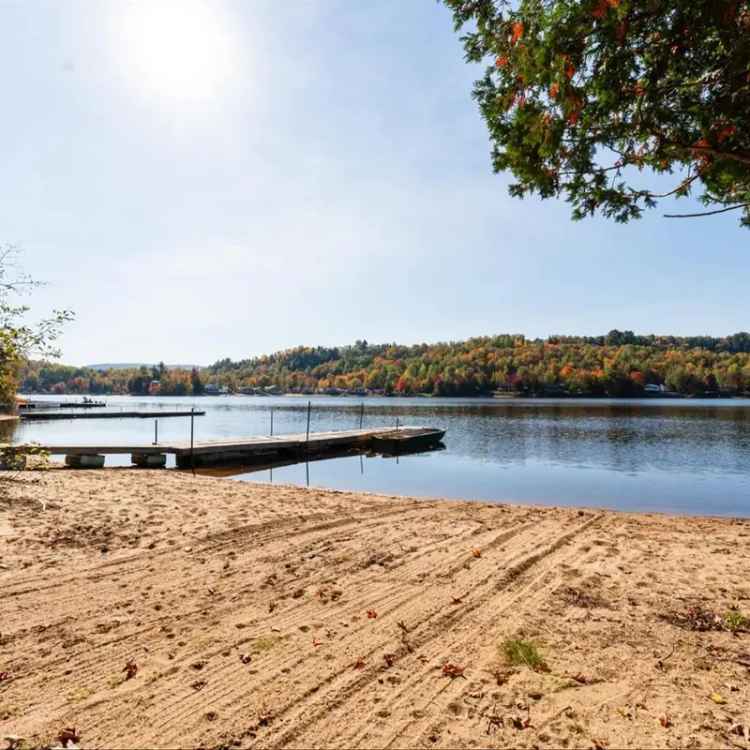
column 218, row 452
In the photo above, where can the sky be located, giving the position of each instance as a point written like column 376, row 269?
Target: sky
column 199, row 180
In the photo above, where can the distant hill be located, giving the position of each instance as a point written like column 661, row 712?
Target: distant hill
column 134, row 366
column 618, row 364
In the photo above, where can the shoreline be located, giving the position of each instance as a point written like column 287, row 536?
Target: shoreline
column 666, row 396
column 273, row 615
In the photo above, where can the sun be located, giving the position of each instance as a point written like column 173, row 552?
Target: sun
column 182, row 49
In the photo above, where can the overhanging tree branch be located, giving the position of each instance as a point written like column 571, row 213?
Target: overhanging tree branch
column 707, row 213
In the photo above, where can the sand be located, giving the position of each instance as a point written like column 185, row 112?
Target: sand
column 160, row 610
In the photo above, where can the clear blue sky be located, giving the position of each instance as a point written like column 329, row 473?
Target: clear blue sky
column 225, row 178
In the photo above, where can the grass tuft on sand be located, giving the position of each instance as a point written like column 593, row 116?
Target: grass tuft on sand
column 265, row 643
column 522, row 653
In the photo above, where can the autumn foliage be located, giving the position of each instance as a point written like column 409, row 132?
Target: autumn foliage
column 592, row 100
column 618, row 364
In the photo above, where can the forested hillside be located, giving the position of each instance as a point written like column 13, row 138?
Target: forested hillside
column 618, row 364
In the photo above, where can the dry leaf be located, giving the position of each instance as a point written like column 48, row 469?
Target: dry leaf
column 453, row 670
column 68, row 736
column 717, row 698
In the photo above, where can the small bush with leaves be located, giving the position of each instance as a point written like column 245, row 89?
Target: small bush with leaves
column 18, row 458
column 735, row 621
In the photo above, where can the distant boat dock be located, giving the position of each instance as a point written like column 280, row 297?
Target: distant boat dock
column 217, row 452
column 158, row 414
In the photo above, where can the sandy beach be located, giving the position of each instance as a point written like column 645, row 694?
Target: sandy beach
column 161, row 610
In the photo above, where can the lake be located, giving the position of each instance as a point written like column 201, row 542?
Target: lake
column 686, row 456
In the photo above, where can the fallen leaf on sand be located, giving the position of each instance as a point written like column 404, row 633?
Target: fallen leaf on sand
column 520, row 723
column 665, row 721
column 359, row 664
column 717, row 698
column 453, row 670
column 371, row 614
column 738, row 729
column 476, row 552
column 246, row 658
column 130, row 669
column 68, row 736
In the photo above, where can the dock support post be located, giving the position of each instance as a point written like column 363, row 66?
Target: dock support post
column 307, row 434
column 156, row 432
column 272, row 421
column 361, row 414
column 396, row 424
column 84, row 461
column 192, row 442
column 149, row 460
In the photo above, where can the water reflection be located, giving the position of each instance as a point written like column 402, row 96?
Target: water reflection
column 264, row 466
column 7, row 430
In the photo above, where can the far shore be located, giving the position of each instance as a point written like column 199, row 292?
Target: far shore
column 500, row 397
column 161, row 610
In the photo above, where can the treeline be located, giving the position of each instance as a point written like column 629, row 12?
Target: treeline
column 617, row 364
column 48, row 377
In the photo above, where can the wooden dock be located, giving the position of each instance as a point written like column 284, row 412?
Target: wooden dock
column 217, row 452
column 30, row 416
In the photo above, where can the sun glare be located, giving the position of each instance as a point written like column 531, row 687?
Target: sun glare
column 176, row 48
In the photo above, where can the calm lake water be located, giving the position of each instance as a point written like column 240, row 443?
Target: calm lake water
column 652, row 455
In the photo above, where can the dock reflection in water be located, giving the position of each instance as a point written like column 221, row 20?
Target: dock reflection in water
column 263, row 469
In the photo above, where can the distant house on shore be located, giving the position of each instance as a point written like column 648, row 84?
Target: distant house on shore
column 154, row 387
column 654, row 388
column 211, row 389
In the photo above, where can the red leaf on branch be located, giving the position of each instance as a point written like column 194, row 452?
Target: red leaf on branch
column 601, row 9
